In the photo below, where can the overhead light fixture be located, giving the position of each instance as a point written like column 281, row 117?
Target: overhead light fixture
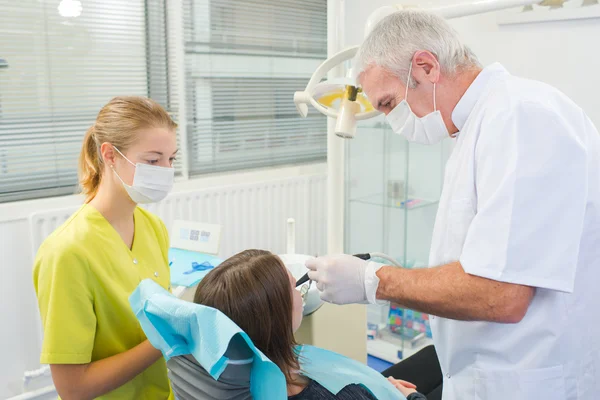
column 70, row 8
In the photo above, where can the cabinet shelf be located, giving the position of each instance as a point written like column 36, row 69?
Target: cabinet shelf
column 382, row 200
column 393, row 350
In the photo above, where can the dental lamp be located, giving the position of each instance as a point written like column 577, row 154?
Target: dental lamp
column 342, row 98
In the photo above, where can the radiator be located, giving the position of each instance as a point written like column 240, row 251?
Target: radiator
column 251, row 216
column 255, row 215
column 43, row 223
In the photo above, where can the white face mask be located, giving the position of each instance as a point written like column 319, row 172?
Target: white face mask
column 427, row 130
column 151, row 183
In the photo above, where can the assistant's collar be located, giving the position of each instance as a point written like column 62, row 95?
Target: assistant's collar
column 467, row 101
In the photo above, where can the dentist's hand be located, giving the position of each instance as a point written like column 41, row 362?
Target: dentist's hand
column 343, row 279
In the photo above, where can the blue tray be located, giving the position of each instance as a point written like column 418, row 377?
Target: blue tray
column 182, row 273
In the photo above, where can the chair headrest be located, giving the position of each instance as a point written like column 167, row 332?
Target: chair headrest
column 192, row 382
column 177, row 327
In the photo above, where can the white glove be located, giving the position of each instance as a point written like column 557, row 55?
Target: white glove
column 344, row 279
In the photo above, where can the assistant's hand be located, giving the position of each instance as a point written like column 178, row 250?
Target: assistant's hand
column 343, row 279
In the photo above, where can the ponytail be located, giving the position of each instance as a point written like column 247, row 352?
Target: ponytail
column 89, row 166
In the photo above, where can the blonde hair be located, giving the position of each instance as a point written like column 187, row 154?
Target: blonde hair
column 117, row 123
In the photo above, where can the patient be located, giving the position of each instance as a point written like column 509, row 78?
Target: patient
column 257, row 292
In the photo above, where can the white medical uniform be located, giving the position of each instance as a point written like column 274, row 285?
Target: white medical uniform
column 521, row 204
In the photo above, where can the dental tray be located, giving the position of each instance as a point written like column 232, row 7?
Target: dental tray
column 189, row 267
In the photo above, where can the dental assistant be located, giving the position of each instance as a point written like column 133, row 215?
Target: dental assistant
column 86, row 270
column 515, row 254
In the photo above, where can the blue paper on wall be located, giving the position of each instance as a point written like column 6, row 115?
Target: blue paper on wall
column 189, row 267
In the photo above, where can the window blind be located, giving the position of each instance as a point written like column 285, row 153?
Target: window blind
column 244, row 61
column 65, row 60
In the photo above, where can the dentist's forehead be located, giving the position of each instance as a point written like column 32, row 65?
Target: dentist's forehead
column 377, row 82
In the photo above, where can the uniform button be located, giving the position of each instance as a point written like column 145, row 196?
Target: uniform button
column 156, row 274
column 135, row 261
column 448, row 376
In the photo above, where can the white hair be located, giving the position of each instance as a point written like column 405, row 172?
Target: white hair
column 395, row 40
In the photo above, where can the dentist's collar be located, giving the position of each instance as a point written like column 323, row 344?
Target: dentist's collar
column 467, row 102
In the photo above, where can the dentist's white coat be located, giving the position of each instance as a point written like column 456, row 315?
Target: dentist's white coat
column 521, row 204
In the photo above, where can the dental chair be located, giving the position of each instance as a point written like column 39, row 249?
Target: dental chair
column 190, row 381
column 210, row 357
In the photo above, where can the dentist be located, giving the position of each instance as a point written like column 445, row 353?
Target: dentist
column 85, row 271
column 515, row 255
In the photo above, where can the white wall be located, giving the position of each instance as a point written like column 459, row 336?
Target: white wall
column 561, row 53
column 17, row 306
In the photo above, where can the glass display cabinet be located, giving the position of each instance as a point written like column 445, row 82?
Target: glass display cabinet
column 392, row 193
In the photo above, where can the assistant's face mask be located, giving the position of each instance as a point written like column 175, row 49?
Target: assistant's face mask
column 151, row 183
column 429, row 129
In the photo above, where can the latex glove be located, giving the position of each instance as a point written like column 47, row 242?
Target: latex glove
column 344, row 279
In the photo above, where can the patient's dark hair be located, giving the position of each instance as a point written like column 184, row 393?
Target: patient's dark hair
column 253, row 289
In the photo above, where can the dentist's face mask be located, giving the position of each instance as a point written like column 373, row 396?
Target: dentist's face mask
column 429, row 129
column 151, row 183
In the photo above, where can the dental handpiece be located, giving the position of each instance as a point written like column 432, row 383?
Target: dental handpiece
column 302, row 280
